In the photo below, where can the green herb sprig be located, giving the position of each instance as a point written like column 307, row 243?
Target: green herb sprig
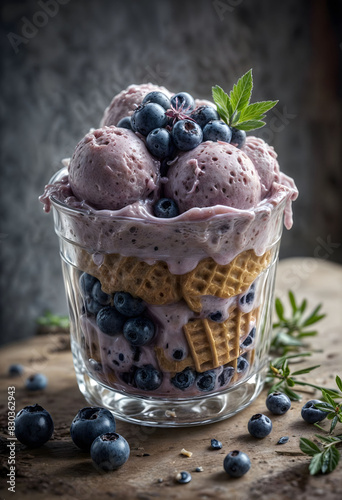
column 48, row 319
column 235, row 110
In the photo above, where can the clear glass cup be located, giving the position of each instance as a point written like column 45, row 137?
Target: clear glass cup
column 198, row 352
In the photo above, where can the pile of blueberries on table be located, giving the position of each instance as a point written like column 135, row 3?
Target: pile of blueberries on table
column 174, row 124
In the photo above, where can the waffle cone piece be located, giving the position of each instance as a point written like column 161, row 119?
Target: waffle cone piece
column 215, row 344
column 224, row 281
column 172, row 366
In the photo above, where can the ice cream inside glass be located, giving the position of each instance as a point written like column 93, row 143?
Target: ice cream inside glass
column 170, row 316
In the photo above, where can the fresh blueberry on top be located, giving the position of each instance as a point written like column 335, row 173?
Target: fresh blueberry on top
column 128, row 305
column 278, row 403
column 89, row 423
column 147, row 117
column 159, row 143
column 165, row 208
column 33, row 426
column 110, row 321
column 216, row 445
column 183, row 101
column 15, row 370
column 36, row 382
column 217, row 130
column 148, row 378
column 99, row 296
column 186, row 135
column 236, row 463
column 259, row 426
column 125, row 123
column 158, row 98
column 204, row 114
column 310, row 414
column 109, row 451
column 238, row 137
column 184, row 379
column 206, row 381
column 138, row 331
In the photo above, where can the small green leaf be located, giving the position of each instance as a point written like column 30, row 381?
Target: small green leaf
column 222, row 102
column 333, row 423
column 291, row 394
column 306, row 370
column 250, row 125
column 328, row 398
column 324, row 407
column 316, row 464
column 242, row 91
column 326, row 439
column 308, row 447
column 256, row 110
column 338, row 382
column 293, row 302
column 330, row 459
column 308, row 334
column 303, row 306
column 279, row 308
column 290, row 382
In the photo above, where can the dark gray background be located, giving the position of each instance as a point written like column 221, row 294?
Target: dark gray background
column 58, row 78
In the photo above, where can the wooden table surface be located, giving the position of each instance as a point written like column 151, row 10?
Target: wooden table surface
column 59, row 469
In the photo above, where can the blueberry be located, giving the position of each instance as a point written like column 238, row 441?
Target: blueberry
column 236, row 463
column 183, row 101
column 217, row 316
column 36, row 382
column 215, row 444
column 238, row 137
column 183, row 477
column 184, row 379
column 139, row 331
column 283, row 440
column 99, row 296
column 33, row 426
column 248, row 298
column 259, row 426
column 206, row 381
column 278, row 403
column 128, row 305
column 159, row 143
column 148, row 378
column 186, row 135
column 310, row 414
column 109, row 451
column 15, row 370
column 89, row 423
column 165, row 208
column 110, row 321
column 242, row 365
column 92, row 306
column 204, row 114
column 217, row 130
column 87, row 282
column 125, row 123
column 178, row 354
column 158, row 98
column 225, row 377
column 249, row 339
column 147, row 117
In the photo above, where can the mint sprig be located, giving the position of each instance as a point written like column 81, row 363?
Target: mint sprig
column 235, row 110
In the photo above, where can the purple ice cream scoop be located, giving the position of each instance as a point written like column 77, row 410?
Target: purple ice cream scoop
column 214, row 173
column 264, row 159
column 125, row 103
column 111, row 168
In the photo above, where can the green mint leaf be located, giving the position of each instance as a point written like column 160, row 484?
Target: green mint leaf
column 249, row 125
column 338, row 382
column 222, row 102
column 242, row 91
column 308, row 447
column 257, row 110
column 316, row 464
column 330, row 459
column 333, row 423
column 327, row 439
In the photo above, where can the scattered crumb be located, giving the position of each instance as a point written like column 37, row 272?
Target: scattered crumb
column 170, row 413
column 160, row 480
column 283, row 440
column 186, row 453
column 199, row 469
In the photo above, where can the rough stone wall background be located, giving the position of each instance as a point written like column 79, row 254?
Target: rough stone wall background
column 57, row 78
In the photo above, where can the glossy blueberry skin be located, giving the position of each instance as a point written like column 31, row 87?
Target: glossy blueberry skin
column 94, row 297
column 217, row 130
column 158, row 98
column 278, row 403
column 236, row 463
column 249, row 339
column 183, row 477
column 139, row 331
column 128, row 305
column 183, row 100
column 225, row 377
column 159, row 143
column 259, row 426
column 89, row 423
column 242, row 365
column 248, row 297
column 100, row 296
column 33, row 426
column 185, row 379
column 204, row 114
column 15, row 370
column 109, row 451
column 87, row 282
column 283, row 440
column 36, row 382
column 125, row 123
column 148, row 378
column 186, row 135
column 165, row 208
column 310, row 414
column 238, row 138
column 110, row 321
column 147, row 117
column 215, row 444
column 206, row 381
column 217, row 316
